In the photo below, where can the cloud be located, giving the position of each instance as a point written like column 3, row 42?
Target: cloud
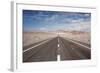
column 81, row 26
column 42, row 28
column 49, row 20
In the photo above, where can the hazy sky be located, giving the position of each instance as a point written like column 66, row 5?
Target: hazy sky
column 50, row 20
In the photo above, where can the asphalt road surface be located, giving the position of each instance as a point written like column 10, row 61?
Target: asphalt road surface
column 50, row 49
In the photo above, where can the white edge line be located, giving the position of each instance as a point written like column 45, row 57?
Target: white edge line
column 78, row 43
column 36, row 45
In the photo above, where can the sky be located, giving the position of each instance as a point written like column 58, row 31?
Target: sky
column 56, row 20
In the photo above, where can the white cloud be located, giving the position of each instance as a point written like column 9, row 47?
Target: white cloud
column 87, row 15
column 81, row 26
column 43, row 28
column 77, row 20
column 61, row 22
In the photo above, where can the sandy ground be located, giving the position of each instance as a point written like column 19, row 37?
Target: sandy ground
column 84, row 37
column 34, row 37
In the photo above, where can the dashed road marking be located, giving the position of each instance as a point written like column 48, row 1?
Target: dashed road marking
column 58, row 45
column 58, row 57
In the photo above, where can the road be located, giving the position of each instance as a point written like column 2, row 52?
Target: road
column 48, row 50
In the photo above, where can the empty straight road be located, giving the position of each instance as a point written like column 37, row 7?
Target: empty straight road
column 48, row 50
column 70, row 50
